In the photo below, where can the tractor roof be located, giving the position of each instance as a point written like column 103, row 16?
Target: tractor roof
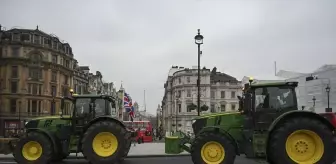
column 270, row 84
column 93, row 96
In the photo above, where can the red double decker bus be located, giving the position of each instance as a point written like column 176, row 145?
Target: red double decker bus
column 144, row 129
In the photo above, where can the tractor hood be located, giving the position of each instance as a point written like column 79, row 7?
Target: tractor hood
column 47, row 121
column 216, row 115
column 50, row 117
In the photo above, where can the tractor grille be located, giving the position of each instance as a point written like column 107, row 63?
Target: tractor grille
column 198, row 125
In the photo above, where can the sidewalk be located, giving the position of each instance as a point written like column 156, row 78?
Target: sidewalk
column 145, row 150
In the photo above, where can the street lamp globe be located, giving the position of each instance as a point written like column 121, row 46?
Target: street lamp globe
column 199, row 38
column 328, row 89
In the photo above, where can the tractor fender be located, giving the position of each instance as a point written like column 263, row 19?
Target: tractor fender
column 48, row 134
column 299, row 113
column 100, row 118
column 221, row 131
column 296, row 113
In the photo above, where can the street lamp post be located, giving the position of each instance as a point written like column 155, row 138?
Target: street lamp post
column 328, row 98
column 19, row 116
column 199, row 41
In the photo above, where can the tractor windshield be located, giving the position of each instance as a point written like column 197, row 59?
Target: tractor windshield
column 101, row 107
column 274, row 97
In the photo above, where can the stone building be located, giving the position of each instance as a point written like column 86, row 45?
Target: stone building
column 81, row 79
column 95, row 83
column 219, row 93
column 36, row 69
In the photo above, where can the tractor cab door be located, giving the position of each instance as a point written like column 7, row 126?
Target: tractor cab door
column 265, row 105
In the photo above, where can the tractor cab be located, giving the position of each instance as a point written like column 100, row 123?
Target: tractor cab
column 263, row 103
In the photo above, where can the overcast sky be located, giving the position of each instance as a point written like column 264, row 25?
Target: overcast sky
column 138, row 41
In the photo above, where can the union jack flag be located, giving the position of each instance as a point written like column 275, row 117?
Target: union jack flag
column 129, row 106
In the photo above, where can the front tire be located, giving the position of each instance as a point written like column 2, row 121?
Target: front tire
column 33, row 148
column 212, row 148
column 301, row 140
column 104, row 142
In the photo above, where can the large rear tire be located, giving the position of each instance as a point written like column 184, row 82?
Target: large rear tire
column 301, row 140
column 212, row 148
column 104, row 142
column 33, row 148
column 128, row 147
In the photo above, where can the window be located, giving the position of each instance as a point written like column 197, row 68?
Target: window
column 275, row 97
column 37, row 39
column 222, row 108
column 222, row 94
column 14, row 87
column 15, row 72
column 54, row 45
column 179, row 81
column 233, row 94
column 34, row 89
column 13, row 106
column 65, row 91
column 35, row 73
column 53, row 76
column 188, row 79
column 0, row 52
column 67, row 63
column 54, row 59
column 34, row 106
column 40, row 89
column 66, row 79
column 15, row 51
column 52, row 107
column 233, row 106
column 188, row 109
column 179, row 93
column 16, row 37
column 47, row 41
column 212, row 94
column 188, row 93
column 179, row 106
column 53, row 91
column 28, row 106
column 39, row 107
column 25, row 37
column 212, row 108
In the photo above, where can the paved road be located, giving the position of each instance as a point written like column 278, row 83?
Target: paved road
column 155, row 160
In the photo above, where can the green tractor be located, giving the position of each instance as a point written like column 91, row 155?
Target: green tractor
column 90, row 129
column 268, row 127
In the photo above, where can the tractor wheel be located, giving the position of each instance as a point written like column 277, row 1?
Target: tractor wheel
column 212, row 148
column 301, row 140
column 104, row 142
column 128, row 147
column 33, row 148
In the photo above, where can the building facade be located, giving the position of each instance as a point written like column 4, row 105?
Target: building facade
column 36, row 69
column 96, row 83
column 219, row 93
column 81, row 79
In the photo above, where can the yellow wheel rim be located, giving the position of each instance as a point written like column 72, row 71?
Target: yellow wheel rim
column 105, row 144
column 212, row 153
column 304, row 147
column 32, row 151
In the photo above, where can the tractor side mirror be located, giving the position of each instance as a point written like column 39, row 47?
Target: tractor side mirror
column 62, row 107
